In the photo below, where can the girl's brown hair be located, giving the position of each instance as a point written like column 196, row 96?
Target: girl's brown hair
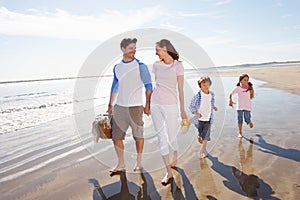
column 170, row 48
column 249, row 83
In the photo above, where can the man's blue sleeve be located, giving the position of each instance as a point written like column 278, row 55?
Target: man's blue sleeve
column 145, row 76
column 115, row 83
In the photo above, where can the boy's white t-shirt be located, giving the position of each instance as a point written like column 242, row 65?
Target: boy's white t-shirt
column 205, row 106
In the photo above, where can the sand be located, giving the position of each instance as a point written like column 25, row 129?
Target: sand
column 235, row 168
column 284, row 78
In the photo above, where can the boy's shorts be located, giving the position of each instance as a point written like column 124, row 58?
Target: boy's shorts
column 125, row 117
column 247, row 116
column 204, row 130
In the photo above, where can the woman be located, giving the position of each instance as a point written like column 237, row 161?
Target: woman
column 164, row 104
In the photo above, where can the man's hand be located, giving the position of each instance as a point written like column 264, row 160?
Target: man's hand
column 110, row 109
column 147, row 109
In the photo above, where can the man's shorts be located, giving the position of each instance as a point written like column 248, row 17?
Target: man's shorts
column 125, row 117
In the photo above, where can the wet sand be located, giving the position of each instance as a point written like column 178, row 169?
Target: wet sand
column 284, row 78
column 268, row 168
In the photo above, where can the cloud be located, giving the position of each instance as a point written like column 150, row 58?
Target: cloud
column 62, row 24
column 286, row 16
column 215, row 40
column 215, row 15
column 273, row 47
column 171, row 26
column 219, row 3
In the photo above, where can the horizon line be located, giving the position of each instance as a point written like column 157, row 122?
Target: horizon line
column 65, row 78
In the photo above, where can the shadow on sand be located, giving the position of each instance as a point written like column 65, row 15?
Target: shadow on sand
column 243, row 182
column 127, row 190
column 292, row 154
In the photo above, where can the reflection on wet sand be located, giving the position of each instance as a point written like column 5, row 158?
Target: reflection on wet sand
column 248, row 183
column 147, row 188
column 175, row 190
column 251, row 184
column 205, row 182
column 188, row 188
column 128, row 190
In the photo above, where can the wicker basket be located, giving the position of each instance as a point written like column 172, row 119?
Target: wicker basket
column 105, row 125
column 102, row 127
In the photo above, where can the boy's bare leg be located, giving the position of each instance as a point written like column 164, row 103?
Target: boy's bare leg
column 203, row 149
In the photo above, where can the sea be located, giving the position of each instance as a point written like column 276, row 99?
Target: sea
column 25, row 104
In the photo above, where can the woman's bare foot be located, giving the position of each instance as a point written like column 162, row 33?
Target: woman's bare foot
column 138, row 167
column 167, row 179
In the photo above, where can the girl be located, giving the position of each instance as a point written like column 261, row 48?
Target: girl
column 245, row 93
column 164, row 106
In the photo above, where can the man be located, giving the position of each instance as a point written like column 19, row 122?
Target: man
column 130, row 76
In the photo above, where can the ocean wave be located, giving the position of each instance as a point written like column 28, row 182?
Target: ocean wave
column 42, row 106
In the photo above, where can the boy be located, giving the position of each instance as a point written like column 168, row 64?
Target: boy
column 202, row 106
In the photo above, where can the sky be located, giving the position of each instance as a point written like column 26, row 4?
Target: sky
column 48, row 39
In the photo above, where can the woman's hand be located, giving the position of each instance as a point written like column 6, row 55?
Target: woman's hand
column 183, row 115
column 215, row 108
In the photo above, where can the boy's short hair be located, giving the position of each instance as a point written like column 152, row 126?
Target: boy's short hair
column 204, row 79
column 126, row 41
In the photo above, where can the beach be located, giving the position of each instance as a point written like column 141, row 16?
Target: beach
column 284, row 78
column 58, row 160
